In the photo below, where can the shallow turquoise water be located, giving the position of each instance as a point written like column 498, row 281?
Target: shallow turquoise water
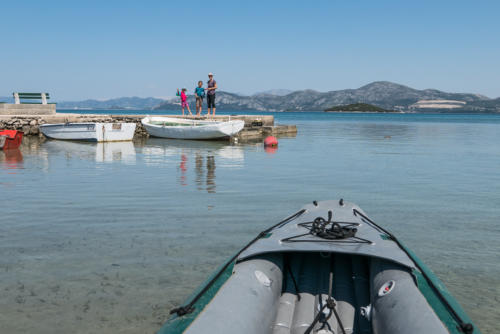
column 108, row 237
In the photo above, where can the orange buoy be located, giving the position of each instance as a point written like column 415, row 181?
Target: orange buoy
column 270, row 141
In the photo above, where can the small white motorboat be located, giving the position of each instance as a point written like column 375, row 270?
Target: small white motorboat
column 97, row 132
column 178, row 128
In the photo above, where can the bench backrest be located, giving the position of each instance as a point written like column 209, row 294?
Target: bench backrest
column 31, row 96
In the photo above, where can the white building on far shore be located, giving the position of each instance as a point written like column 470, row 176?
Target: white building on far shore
column 438, row 104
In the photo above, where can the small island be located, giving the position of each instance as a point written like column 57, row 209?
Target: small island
column 358, row 107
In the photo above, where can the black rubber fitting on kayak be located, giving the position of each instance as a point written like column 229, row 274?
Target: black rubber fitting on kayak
column 341, row 202
column 467, row 328
column 180, row 311
column 315, row 203
column 330, row 303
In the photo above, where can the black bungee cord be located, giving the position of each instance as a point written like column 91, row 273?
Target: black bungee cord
column 332, row 307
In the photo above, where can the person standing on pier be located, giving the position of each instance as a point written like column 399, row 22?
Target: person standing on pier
column 184, row 102
column 211, row 87
column 199, row 92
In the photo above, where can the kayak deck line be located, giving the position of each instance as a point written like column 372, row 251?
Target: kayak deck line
column 343, row 232
column 431, row 280
column 180, row 311
column 380, row 244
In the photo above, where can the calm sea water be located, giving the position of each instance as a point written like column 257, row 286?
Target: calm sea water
column 107, row 238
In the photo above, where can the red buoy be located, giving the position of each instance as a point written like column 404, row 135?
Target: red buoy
column 270, row 141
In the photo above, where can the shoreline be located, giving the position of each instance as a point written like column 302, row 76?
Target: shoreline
column 256, row 126
column 367, row 112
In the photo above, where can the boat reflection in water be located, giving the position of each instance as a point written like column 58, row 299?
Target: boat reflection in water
column 207, row 180
column 201, row 156
column 100, row 152
column 11, row 159
column 115, row 151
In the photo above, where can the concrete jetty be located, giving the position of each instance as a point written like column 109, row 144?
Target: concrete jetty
column 256, row 126
column 31, row 108
column 27, row 109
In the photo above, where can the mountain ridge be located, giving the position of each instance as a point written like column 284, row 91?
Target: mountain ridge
column 133, row 102
column 383, row 94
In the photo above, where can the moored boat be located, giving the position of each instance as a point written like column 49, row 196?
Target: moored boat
column 96, row 132
column 326, row 269
column 10, row 139
column 179, row 128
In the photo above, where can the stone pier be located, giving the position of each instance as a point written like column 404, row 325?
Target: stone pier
column 256, row 126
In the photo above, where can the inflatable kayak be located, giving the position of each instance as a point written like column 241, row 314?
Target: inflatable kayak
column 326, row 269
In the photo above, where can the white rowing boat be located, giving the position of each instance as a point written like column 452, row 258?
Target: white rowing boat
column 97, row 132
column 178, row 128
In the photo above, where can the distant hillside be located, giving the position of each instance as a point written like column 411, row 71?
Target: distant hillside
column 274, row 92
column 386, row 95
column 383, row 94
column 137, row 103
column 358, row 107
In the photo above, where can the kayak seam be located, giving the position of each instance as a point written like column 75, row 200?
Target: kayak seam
column 182, row 310
column 464, row 327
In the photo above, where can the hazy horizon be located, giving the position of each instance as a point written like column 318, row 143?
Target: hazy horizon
column 55, row 99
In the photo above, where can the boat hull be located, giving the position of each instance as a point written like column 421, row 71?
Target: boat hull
column 10, row 139
column 191, row 129
column 93, row 132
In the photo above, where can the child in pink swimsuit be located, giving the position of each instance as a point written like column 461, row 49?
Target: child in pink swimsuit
column 184, row 102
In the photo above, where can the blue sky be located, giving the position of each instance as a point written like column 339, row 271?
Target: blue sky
column 104, row 49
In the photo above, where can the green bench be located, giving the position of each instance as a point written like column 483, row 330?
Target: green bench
column 31, row 96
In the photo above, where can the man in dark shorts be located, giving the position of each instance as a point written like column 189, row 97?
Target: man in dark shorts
column 211, row 87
